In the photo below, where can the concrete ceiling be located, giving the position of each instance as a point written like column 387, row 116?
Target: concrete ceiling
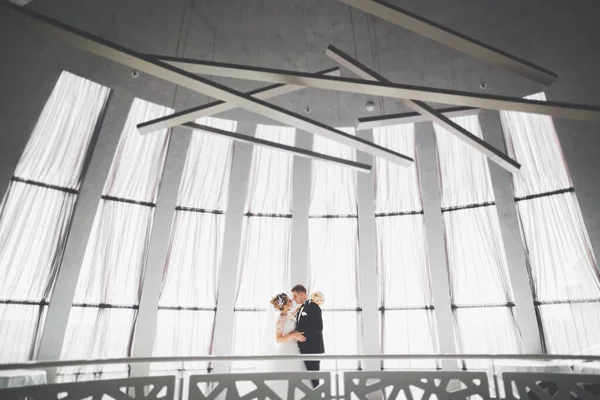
column 560, row 35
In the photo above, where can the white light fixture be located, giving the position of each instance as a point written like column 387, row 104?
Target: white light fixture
column 370, row 106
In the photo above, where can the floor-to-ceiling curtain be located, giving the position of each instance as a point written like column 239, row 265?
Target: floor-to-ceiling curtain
column 35, row 214
column 480, row 288
column 188, row 298
column 562, row 267
column 406, row 302
column 108, row 290
column 333, row 251
column 264, row 258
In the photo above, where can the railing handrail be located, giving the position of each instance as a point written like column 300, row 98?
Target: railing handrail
column 140, row 360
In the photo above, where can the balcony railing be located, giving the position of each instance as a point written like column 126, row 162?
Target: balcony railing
column 540, row 377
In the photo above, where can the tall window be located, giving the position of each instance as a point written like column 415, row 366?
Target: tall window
column 188, row 299
column 333, row 248
column 563, row 270
column 36, row 212
column 479, row 284
column 107, row 294
column 264, row 259
column 406, row 302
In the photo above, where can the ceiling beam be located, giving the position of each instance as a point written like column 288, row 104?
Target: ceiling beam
column 216, row 107
column 379, row 121
column 393, row 90
column 459, row 132
column 453, row 39
column 150, row 65
column 297, row 151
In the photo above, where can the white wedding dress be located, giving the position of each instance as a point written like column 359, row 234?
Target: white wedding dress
column 285, row 325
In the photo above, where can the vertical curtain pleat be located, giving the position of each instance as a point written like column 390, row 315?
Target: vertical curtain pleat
column 475, row 251
column 139, row 160
column 561, row 262
column 59, row 143
column 333, row 250
column 406, row 317
column 35, row 218
column 191, row 273
column 115, row 257
column 409, row 332
column 265, row 249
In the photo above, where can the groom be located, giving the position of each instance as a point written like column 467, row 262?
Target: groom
column 310, row 322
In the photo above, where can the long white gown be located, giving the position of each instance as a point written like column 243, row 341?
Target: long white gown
column 285, row 325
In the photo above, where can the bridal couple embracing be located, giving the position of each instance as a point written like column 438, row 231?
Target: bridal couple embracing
column 298, row 329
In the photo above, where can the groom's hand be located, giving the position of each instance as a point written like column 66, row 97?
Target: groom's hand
column 299, row 336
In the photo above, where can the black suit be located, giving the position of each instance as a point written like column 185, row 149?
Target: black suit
column 310, row 322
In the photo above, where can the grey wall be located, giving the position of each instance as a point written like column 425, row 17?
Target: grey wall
column 559, row 35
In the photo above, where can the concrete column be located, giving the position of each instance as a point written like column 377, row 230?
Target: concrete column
column 83, row 218
column 145, row 329
column 367, row 242
column 434, row 232
column 300, row 205
column 511, row 235
column 238, row 185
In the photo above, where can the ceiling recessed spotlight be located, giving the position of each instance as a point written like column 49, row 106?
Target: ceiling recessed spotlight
column 483, row 85
column 134, row 74
column 307, row 110
column 370, row 106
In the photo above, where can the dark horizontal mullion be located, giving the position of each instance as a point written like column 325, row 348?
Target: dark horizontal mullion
column 104, row 305
column 182, row 308
column 334, row 216
column 407, row 308
column 199, row 210
column 267, row 215
column 128, row 201
column 45, row 185
column 545, row 194
column 249, row 309
column 577, row 301
column 357, row 309
column 488, row 305
column 25, row 302
column 398, row 214
column 468, row 206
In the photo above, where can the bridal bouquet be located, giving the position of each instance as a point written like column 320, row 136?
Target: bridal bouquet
column 317, row 297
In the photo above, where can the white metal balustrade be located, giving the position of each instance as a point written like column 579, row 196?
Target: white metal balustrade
column 540, row 377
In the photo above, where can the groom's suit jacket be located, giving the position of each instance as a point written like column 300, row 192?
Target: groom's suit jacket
column 310, row 322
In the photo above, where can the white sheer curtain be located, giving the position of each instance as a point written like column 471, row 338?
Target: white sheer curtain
column 406, row 303
column 188, row 298
column 264, row 259
column 333, row 251
column 36, row 211
column 562, row 266
column 480, row 287
column 107, row 294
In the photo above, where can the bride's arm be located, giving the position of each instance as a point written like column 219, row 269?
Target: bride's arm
column 281, row 338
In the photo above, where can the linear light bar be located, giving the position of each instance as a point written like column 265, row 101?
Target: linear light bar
column 453, row 39
column 461, row 133
column 217, row 107
column 151, row 66
column 393, row 90
column 297, row 151
column 411, row 117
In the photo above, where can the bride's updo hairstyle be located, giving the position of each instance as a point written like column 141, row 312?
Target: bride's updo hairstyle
column 280, row 301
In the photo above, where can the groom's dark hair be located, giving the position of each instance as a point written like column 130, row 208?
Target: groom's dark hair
column 299, row 289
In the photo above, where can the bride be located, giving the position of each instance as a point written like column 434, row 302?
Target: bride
column 287, row 339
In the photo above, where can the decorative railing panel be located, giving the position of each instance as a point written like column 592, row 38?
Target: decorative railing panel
column 149, row 388
column 274, row 386
column 416, row 385
column 548, row 386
